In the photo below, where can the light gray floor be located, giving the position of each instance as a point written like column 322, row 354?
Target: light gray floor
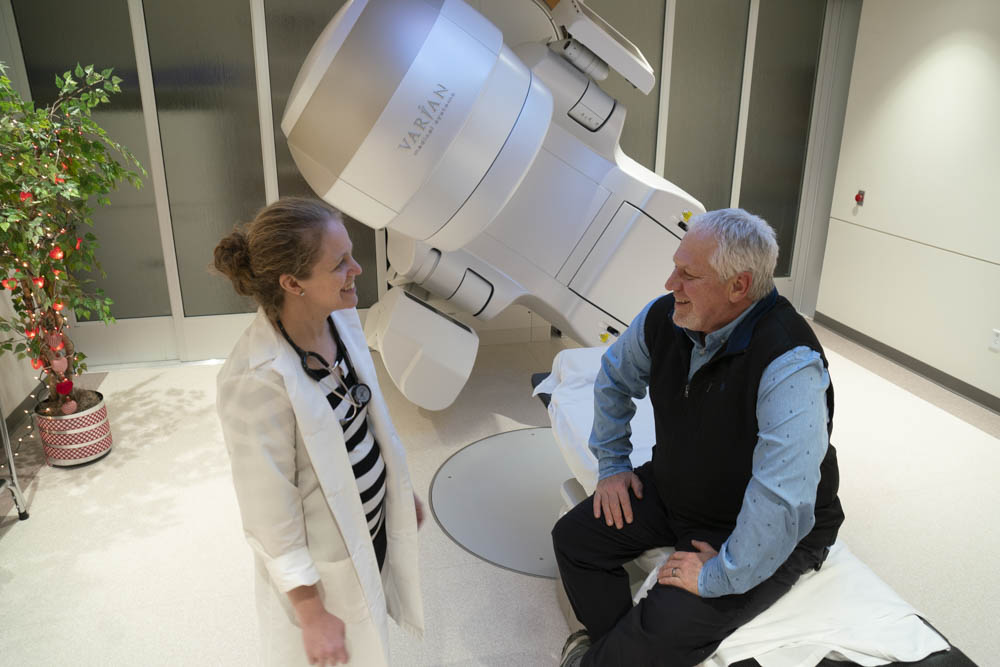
column 140, row 559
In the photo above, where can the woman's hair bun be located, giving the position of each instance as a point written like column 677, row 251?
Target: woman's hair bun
column 232, row 259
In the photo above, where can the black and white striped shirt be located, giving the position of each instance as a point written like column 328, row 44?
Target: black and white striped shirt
column 362, row 449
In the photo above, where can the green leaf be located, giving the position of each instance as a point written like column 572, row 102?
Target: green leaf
column 29, row 135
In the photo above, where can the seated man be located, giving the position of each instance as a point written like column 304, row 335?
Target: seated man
column 743, row 481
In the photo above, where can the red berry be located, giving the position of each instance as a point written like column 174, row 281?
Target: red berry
column 56, row 252
column 25, row 196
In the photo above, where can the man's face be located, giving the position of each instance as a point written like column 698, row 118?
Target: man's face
column 702, row 302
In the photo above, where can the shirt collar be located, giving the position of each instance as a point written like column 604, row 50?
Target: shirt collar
column 715, row 340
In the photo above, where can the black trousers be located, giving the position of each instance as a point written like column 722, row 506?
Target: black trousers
column 669, row 626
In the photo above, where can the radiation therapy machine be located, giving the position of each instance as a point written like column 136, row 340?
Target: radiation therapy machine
column 487, row 150
column 484, row 146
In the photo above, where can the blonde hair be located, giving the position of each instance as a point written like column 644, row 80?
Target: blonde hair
column 283, row 238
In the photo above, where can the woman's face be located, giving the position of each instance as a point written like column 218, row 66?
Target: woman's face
column 330, row 286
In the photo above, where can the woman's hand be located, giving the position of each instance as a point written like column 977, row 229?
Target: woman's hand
column 419, row 506
column 325, row 640
column 322, row 633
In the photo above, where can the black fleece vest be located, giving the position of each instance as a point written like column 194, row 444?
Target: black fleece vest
column 706, row 429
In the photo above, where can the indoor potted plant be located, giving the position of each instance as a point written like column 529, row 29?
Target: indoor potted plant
column 55, row 162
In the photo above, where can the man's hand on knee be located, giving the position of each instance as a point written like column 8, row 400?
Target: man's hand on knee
column 683, row 567
column 611, row 498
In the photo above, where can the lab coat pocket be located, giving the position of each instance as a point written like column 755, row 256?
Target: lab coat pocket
column 341, row 590
column 344, row 598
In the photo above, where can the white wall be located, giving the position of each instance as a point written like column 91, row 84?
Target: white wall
column 17, row 378
column 918, row 266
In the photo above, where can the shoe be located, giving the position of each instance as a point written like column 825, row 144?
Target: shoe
column 576, row 645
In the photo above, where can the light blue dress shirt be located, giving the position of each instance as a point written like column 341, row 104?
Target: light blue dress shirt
column 778, row 504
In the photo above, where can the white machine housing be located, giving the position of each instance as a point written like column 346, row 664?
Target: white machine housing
column 420, row 360
column 496, row 171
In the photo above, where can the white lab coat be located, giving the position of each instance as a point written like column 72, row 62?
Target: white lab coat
column 301, row 510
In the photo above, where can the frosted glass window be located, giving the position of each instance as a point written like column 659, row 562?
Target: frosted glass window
column 98, row 32
column 789, row 35
column 292, row 28
column 641, row 21
column 206, row 96
column 706, row 80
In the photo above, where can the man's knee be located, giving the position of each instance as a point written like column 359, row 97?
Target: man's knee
column 562, row 532
column 658, row 632
column 569, row 527
column 682, row 628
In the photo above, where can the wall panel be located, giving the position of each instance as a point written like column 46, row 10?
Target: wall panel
column 917, row 267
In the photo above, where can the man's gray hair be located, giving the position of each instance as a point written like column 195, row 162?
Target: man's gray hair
column 745, row 243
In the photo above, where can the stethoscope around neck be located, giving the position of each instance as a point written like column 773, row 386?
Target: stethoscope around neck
column 357, row 396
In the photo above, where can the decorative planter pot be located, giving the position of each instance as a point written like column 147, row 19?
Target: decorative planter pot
column 76, row 438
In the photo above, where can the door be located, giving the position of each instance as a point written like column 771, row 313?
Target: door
column 204, row 86
column 737, row 112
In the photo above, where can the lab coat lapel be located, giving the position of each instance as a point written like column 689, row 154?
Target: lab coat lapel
column 403, row 590
column 353, row 338
column 321, row 434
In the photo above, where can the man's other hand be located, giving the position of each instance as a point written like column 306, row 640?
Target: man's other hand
column 611, row 498
column 683, row 567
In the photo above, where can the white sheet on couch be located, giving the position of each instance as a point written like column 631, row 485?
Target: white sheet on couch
column 843, row 611
column 571, row 411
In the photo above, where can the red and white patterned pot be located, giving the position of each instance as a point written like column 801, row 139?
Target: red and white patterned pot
column 76, row 438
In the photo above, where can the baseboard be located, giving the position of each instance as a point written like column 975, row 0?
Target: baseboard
column 950, row 382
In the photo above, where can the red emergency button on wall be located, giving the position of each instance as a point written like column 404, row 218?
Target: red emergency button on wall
column 860, row 198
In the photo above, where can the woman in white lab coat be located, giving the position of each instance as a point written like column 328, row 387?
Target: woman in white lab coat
column 319, row 471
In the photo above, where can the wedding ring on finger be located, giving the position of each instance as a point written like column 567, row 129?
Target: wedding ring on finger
column 673, row 572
